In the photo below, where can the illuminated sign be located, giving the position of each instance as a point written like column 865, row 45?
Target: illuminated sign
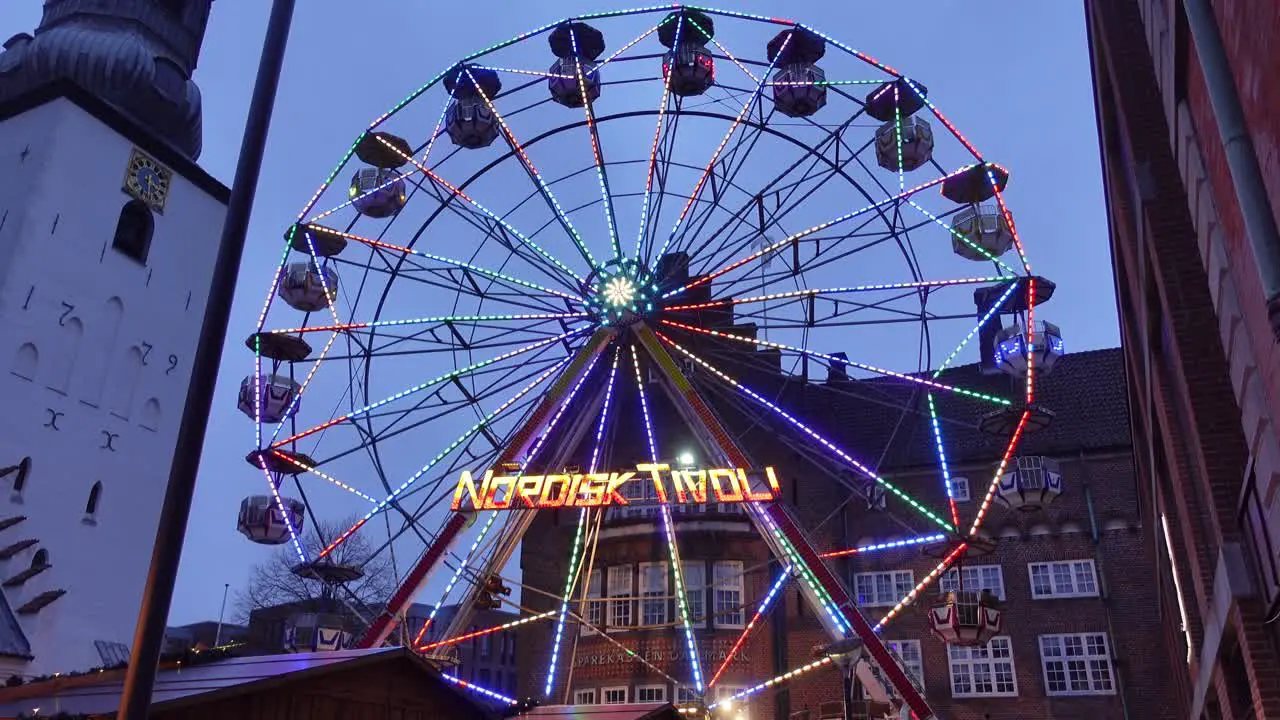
column 589, row 490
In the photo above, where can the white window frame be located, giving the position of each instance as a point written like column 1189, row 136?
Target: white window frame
column 604, row 695
column 724, row 692
column 695, row 587
column 734, row 581
column 974, row 578
column 1089, row 659
column 961, row 489
column 625, row 606
column 594, row 611
column 662, row 693
column 585, row 696
column 686, row 695
column 1074, row 571
column 900, row 582
column 914, row 666
column 654, row 596
column 958, row 656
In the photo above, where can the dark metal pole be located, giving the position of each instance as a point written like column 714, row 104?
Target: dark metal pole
column 158, row 593
column 1242, row 159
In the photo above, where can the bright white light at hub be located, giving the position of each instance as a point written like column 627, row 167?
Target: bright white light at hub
column 619, row 292
column 685, row 459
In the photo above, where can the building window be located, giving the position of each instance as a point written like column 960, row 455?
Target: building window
column 615, row 696
column 685, row 695
column 584, row 697
column 95, row 494
column 728, row 585
column 482, row 677
column 1063, row 579
column 883, row 589
column 912, row 659
column 594, row 614
column 976, row 577
column 695, row 590
column 985, row 671
column 651, row 693
column 486, row 646
column 960, row 489
column 134, row 229
column 620, row 587
column 724, row 692
column 1076, row 664
column 653, row 590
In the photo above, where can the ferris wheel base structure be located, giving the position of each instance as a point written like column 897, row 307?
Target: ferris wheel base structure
column 780, row 531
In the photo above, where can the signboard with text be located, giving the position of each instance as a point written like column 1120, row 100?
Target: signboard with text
column 659, row 485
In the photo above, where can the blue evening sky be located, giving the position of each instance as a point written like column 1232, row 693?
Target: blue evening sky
column 1013, row 75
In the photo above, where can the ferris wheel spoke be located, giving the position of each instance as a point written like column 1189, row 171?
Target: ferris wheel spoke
column 742, row 637
column 434, row 381
column 840, row 473
column 489, row 228
column 450, row 262
column 960, row 236
column 597, row 152
column 534, row 175
column 578, row 551
column 940, row 446
column 488, row 418
column 425, row 412
column 733, row 162
column 746, row 108
column 322, row 475
column 400, row 177
column 775, row 186
column 774, row 247
column 532, row 455
column 668, row 530
column 805, row 293
column 982, row 322
column 833, row 360
column 921, row 586
column 462, row 195
column 881, row 311
column 811, row 433
column 442, row 320
column 653, row 150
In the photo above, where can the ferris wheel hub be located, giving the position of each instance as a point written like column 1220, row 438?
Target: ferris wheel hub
column 620, row 293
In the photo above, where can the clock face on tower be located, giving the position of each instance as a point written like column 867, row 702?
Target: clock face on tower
column 147, row 180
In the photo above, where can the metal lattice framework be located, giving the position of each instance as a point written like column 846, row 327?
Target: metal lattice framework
column 637, row 251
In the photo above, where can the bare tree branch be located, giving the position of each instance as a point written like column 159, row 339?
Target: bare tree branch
column 273, row 581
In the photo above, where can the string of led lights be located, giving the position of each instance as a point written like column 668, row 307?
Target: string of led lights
column 509, row 365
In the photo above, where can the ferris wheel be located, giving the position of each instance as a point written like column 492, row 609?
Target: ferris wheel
column 705, row 261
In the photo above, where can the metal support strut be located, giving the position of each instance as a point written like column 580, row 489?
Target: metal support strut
column 700, row 417
column 383, row 625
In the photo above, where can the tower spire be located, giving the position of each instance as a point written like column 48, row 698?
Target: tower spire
column 138, row 55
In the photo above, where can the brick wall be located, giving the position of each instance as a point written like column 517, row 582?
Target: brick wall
column 1213, row 370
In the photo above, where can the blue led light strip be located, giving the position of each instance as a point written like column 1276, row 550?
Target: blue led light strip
column 582, row 524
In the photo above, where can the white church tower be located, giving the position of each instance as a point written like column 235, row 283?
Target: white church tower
column 108, row 232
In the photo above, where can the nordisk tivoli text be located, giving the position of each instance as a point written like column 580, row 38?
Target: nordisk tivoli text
column 585, row 490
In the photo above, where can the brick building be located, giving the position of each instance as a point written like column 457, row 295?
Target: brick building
column 1200, row 350
column 1079, row 608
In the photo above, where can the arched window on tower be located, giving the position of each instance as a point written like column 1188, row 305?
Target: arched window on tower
column 134, row 230
column 95, row 494
column 40, row 559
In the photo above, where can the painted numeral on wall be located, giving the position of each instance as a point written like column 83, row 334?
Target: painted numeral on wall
column 173, row 364
column 26, row 304
column 146, row 352
column 67, row 309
